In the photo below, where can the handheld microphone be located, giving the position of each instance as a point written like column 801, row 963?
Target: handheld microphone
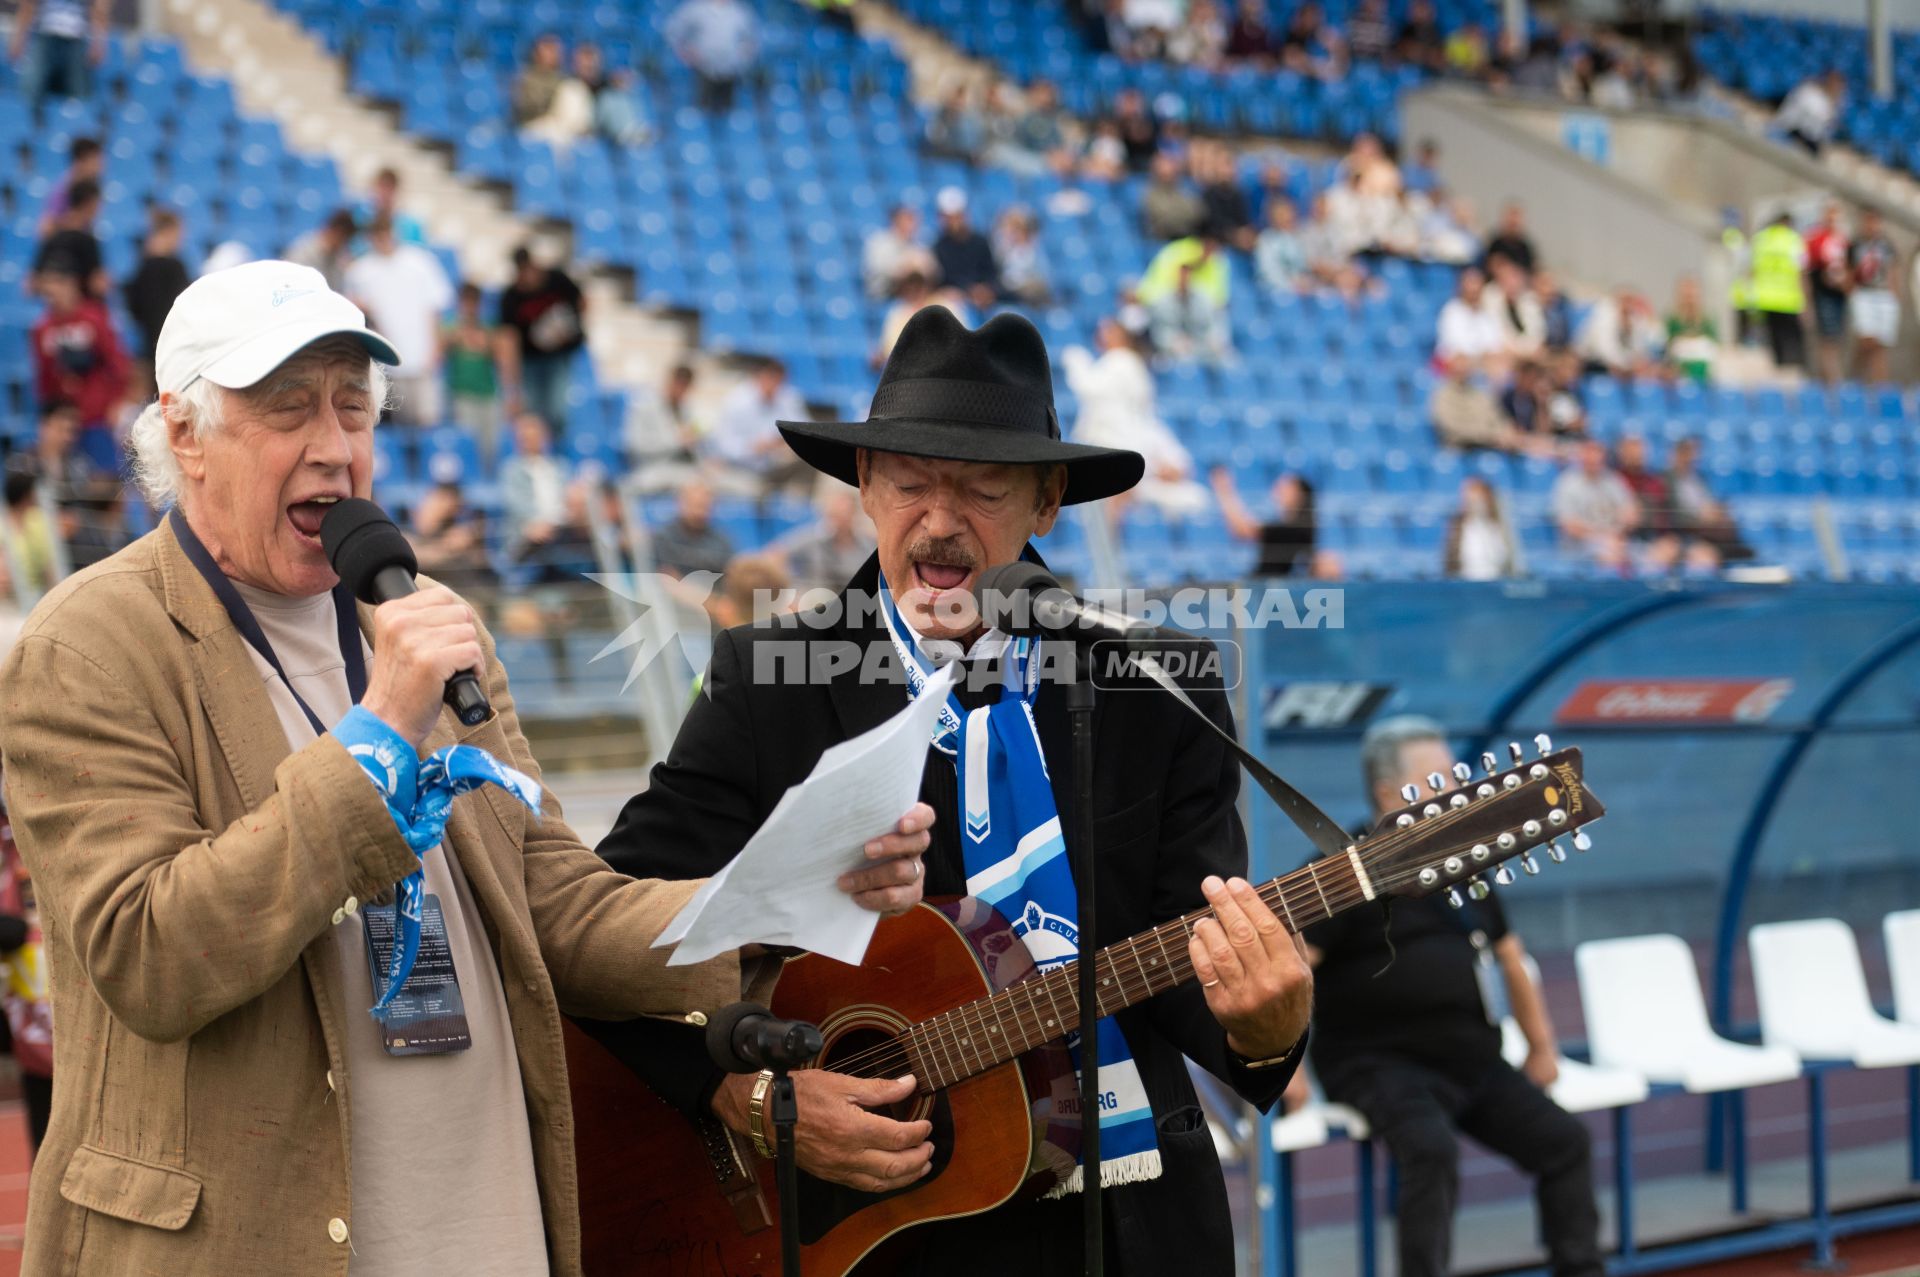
column 746, row 1037
column 372, row 557
column 1023, row 598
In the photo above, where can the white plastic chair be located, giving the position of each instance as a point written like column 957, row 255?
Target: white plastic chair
column 1580, row 1088
column 1645, row 1013
column 1902, row 932
column 1813, row 996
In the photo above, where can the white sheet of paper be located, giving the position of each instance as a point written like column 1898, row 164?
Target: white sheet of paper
column 782, row 887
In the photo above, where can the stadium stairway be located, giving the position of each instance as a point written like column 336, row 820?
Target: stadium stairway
column 279, row 69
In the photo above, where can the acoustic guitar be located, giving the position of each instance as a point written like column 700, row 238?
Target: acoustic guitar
column 949, row 993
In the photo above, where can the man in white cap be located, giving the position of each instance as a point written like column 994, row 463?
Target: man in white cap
column 966, row 259
column 236, row 793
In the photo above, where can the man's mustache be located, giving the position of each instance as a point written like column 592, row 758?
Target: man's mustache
column 948, row 552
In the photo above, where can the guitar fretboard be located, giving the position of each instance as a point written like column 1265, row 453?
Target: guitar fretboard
column 971, row 1039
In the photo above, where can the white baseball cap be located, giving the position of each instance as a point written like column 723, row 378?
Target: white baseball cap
column 951, row 200
column 235, row 326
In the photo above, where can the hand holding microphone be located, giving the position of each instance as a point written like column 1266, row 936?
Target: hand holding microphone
column 426, row 643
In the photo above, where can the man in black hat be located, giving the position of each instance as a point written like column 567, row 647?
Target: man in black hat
column 959, row 465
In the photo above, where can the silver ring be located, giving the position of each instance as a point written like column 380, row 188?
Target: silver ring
column 917, row 868
column 1209, row 984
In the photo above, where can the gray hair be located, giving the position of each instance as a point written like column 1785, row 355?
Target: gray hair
column 201, row 408
column 1380, row 748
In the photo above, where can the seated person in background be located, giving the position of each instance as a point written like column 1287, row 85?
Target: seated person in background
column 533, row 494
column 1567, row 404
column 1593, row 507
column 894, row 252
column 1479, row 544
column 1280, row 254
column 916, row 294
column 1466, row 415
column 1693, row 339
column 1329, row 259
column 749, row 590
column 1185, row 293
column 1702, row 521
column 1286, row 539
column 1468, row 337
column 1222, row 194
column 744, row 453
column 1622, row 336
column 1118, row 410
column 449, row 537
column 827, row 552
column 1169, row 210
column 1511, row 241
column 1406, row 1029
column 690, row 543
column 1556, row 312
column 1655, row 527
column 1024, row 272
column 1511, row 302
column 965, row 257
column 956, row 131
column 1525, row 399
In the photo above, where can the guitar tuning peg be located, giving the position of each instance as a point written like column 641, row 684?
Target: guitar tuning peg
column 1436, row 783
column 1581, row 842
column 1503, row 875
column 1543, row 743
column 1478, row 889
column 1514, row 752
column 1489, row 764
column 1528, row 863
column 1462, row 773
column 1453, row 898
column 1409, row 791
column 1556, row 853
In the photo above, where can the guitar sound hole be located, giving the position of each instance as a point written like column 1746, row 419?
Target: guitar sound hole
column 858, row 1041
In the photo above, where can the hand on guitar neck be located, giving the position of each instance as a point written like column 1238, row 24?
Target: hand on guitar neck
column 1256, row 983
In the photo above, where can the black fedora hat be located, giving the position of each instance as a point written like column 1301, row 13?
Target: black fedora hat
column 966, row 394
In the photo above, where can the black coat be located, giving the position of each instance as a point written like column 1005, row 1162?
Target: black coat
column 1164, row 792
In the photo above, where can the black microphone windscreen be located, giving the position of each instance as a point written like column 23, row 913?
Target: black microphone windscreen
column 1005, row 594
column 720, row 1027
column 360, row 541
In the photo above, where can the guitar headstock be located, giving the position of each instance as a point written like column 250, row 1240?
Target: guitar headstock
column 1464, row 826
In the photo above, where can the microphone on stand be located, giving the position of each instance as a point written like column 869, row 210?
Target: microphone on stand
column 746, row 1037
column 374, row 560
column 1023, row 599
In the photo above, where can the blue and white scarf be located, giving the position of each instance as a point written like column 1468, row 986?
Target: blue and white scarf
column 1016, row 861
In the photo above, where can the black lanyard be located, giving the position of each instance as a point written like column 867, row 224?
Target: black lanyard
column 243, row 620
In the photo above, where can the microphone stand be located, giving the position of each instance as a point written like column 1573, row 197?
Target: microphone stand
column 786, row 1112
column 1079, row 692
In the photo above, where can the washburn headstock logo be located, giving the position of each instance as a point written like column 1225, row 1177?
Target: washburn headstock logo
column 1571, row 779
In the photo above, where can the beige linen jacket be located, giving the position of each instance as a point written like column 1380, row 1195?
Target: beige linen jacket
column 189, row 869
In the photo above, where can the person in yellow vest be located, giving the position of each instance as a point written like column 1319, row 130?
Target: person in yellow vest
column 1185, row 292
column 1780, row 290
column 1733, row 238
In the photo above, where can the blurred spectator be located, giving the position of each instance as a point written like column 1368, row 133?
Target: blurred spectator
column 1873, row 307
column 1479, row 543
column 1468, row 336
column 404, row 291
column 956, row 131
column 56, row 45
column 385, row 202
column 73, row 249
column 1421, row 174
column 328, row 247
column 1222, row 195
column 533, row 492
column 1252, row 37
column 1421, row 41
column 660, row 425
column 916, row 293
column 618, row 114
column 1709, row 529
column 149, row 292
column 1370, row 32
column 965, row 257
column 1466, row 415
column 1466, row 51
column 690, row 542
column 895, row 251
column 86, row 162
column 720, row 40
column 1648, row 487
column 1037, row 137
column 66, row 473
column 449, row 538
column 1117, row 410
column 1139, row 130
column 1201, row 40
column 1829, row 280
column 1286, row 539
column 1693, row 339
column 1024, row 272
column 827, row 552
column 1527, row 400
column 1810, row 113
column 29, row 540
column 744, row 452
column 1622, row 336
column 1567, row 404
column 467, row 353
column 93, row 524
column 1105, row 159
column 77, row 355
column 539, row 81
column 1512, row 303
column 1279, row 255
column 1369, row 169
column 1779, row 289
column 1330, row 259
column 542, row 325
column 1593, row 507
column 1185, row 293
column 1168, row 209
column 1310, row 46
column 750, row 588
column 1537, row 68
column 1148, row 25
column 1556, row 312
column 1511, row 240
column 1444, row 230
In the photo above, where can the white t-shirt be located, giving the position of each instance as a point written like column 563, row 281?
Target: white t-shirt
column 404, row 294
column 1468, row 332
column 1808, row 111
